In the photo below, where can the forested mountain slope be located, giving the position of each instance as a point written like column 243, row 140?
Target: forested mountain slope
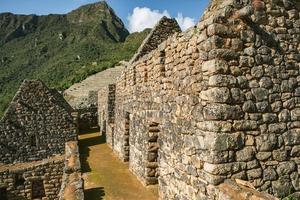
column 61, row 49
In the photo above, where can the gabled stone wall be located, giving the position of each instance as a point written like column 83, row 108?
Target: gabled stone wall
column 36, row 125
column 163, row 29
column 36, row 132
column 226, row 97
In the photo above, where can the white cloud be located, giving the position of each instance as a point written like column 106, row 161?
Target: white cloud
column 185, row 22
column 142, row 18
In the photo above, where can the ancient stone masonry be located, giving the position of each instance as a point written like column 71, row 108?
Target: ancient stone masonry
column 164, row 28
column 35, row 126
column 224, row 99
column 106, row 115
column 33, row 180
column 33, row 136
column 72, row 183
column 83, row 96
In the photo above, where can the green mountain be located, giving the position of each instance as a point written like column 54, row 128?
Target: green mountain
column 61, row 49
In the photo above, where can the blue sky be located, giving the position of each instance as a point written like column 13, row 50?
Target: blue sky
column 191, row 10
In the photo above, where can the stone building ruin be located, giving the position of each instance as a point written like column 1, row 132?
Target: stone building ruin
column 83, row 96
column 38, row 138
column 211, row 113
column 215, row 106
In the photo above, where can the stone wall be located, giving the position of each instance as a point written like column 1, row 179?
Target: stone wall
column 19, row 180
column 88, row 114
column 36, row 125
column 36, row 132
column 163, row 29
column 226, row 97
column 87, row 118
column 83, row 96
column 59, row 177
column 144, row 132
column 106, row 115
column 72, row 182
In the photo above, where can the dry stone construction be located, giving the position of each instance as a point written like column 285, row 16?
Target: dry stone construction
column 214, row 106
column 83, row 96
column 212, row 113
column 36, row 133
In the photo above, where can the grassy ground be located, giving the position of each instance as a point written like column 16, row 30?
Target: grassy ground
column 105, row 176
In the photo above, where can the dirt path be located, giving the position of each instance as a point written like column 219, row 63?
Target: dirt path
column 105, row 176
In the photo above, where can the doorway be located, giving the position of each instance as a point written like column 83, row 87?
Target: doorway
column 38, row 189
column 127, row 138
column 152, row 172
column 3, row 194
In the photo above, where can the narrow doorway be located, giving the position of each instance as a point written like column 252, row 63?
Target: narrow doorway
column 152, row 172
column 3, row 194
column 38, row 189
column 127, row 138
column 104, row 127
column 19, row 180
column 112, row 136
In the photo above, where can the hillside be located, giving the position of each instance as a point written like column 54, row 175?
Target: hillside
column 61, row 49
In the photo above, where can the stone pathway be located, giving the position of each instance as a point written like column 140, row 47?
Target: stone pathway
column 105, row 176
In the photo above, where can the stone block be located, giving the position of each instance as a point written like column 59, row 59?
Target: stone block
column 292, row 137
column 214, row 67
column 217, row 95
column 222, row 112
column 246, row 154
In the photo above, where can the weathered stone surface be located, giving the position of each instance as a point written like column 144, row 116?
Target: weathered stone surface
column 260, row 94
column 35, row 158
column 282, row 186
column 286, row 168
column 292, row 137
column 269, row 174
column 36, row 117
column 246, row 154
column 225, row 95
column 218, row 95
column 214, row 67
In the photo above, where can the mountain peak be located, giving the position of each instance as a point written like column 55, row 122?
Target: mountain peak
column 91, row 13
column 99, row 15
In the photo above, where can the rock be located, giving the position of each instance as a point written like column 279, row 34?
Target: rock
column 280, row 155
column 249, row 107
column 266, row 142
column 257, row 71
column 260, row 94
column 245, row 154
column 286, row 168
column 263, row 155
column 254, row 173
column 269, row 174
column 282, row 186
